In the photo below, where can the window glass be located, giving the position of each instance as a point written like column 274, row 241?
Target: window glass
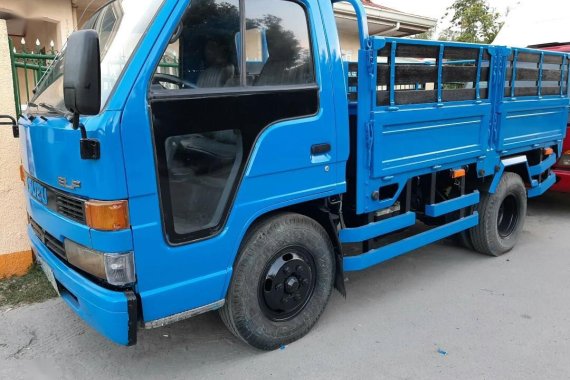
column 202, row 168
column 278, row 49
column 203, row 52
column 124, row 23
column 107, row 27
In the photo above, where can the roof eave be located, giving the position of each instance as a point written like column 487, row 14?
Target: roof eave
column 384, row 16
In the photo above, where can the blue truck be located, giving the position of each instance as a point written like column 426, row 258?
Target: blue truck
column 188, row 156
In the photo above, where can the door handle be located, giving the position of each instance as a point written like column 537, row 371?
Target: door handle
column 319, row 149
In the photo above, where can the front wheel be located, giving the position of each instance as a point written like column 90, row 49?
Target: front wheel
column 501, row 217
column 282, row 281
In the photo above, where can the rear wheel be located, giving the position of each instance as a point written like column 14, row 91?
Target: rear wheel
column 501, row 217
column 282, row 281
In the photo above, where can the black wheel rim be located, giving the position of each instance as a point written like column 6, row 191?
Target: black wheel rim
column 508, row 217
column 287, row 284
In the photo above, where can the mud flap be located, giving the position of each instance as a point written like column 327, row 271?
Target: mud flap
column 339, row 267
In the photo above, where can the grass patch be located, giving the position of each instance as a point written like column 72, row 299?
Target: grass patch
column 31, row 288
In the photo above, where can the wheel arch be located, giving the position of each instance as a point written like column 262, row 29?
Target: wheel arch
column 517, row 165
column 318, row 210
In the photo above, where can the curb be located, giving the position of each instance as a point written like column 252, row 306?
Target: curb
column 15, row 264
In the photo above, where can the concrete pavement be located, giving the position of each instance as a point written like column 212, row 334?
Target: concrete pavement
column 441, row 312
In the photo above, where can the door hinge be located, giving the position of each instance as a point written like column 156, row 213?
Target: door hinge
column 370, row 61
column 370, row 141
column 371, row 66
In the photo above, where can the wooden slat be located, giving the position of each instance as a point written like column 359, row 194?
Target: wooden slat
column 535, row 57
column 407, row 74
column 526, row 91
column 430, row 96
column 524, row 74
column 532, row 91
column 550, row 91
column 407, row 97
column 411, row 51
column 532, row 74
column 529, row 57
column 556, row 59
column 423, row 51
column 453, row 73
column 463, row 94
column 414, row 97
column 412, row 74
column 551, row 75
column 460, row 53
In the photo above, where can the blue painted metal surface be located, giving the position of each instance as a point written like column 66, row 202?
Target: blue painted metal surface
column 372, row 230
column 394, row 143
column 278, row 174
column 451, row 205
column 104, row 310
column 400, row 141
column 542, row 187
column 531, row 172
column 366, row 260
column 543, row 166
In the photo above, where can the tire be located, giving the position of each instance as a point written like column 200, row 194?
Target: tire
column 282, row 281
column 501, row 217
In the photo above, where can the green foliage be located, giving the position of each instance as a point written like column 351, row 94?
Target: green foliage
column 471, row 21
column 31, row 288
column 429, row 35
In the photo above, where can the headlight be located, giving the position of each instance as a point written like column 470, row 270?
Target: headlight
column 117, row 269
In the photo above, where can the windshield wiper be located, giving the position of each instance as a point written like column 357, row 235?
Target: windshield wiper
column 53, row 109
column 50, row 108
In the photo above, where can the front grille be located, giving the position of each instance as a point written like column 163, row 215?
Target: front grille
column 64, row 204
column 50, row 242
column 72, row 208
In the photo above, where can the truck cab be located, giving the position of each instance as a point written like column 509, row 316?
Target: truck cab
column 188, row 156
column 212, row 113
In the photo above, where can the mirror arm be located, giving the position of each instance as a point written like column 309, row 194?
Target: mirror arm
column 13, row 123
column 90, row 149
column 76, row 124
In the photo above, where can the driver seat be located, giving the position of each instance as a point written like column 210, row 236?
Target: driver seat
column 215, row 76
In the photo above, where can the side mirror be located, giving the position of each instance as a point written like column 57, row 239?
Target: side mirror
column 11, row 122
column 82, row 73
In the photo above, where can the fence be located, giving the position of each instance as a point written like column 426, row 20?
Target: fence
column 28, row 67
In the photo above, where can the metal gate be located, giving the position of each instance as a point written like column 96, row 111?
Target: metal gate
column 28, row 67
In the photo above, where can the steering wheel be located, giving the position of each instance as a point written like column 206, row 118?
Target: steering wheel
column 161, row 77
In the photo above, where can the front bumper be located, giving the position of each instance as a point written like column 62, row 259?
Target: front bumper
column 563, row 183
column 111, row 313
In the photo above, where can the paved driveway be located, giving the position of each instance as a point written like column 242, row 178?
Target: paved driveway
column 438, row 313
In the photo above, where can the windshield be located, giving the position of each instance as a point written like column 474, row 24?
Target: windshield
column 120, row 26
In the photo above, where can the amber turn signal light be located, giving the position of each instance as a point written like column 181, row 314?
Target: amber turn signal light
column 548, row 151
column 107, row 216
column 458, row 173
column 22, row 173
